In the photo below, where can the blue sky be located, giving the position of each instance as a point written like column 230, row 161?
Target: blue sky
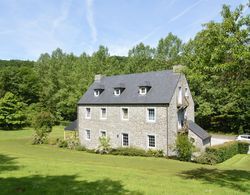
column 31, row 27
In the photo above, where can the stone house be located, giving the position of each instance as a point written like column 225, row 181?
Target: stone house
column 145, row 110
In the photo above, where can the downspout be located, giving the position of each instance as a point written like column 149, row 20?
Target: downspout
column 167, row 129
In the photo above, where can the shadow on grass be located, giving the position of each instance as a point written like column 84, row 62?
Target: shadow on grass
column 7, row 163
column 234, row 179
column 60, row 185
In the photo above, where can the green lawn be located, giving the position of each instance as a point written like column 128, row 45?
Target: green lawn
column 46, row 169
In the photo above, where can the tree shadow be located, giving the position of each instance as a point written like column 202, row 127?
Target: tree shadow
column 61, row 185
column 234, row 179
column 7, row 163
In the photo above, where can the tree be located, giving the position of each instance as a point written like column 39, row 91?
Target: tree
column 11, row 112
column 184, row 147
column 218, row 71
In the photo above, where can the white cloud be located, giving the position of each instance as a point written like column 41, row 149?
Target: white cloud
column 90, row 19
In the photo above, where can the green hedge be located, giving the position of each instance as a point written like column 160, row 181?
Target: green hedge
column 132, row 151
column 220, row 153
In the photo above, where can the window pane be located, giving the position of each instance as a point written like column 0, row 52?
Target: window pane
column 103, row 133
column 88, row 112
column 125, row 139
column 103, row 113
column 125, row 113
column 151, row 141
column 87, row 134
column 151, row 114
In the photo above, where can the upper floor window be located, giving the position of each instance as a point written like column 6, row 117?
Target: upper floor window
column 117, row 92
column 103, row 113
column 96, row 92
column 87, row 113
column 179, row 95
column 151, row 115
column 124, row 113
column 143, row 90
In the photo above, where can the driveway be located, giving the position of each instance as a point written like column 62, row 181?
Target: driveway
column 220, row 139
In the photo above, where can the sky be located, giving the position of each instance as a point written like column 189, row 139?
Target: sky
column 29, row 28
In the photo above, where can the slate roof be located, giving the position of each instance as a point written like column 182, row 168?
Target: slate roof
column 198, row 130
column 163, row 84
column 72, row 126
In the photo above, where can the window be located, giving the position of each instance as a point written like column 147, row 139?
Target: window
column 142, row 90
column 151, row 115
column 151, row 141
column 186, row 92
column 117, row 92
column 180, row 96
column 87, row 136
column 87, row 113
column 103, row 133
column 124, row 139
column 103, row 113
column 96, row 92
column 124, row 113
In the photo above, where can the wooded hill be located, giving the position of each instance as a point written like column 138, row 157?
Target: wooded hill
column 217, row 64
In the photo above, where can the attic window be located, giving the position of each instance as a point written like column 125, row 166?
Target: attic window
column 117, row 92
column 143, row 90
column 96, row 92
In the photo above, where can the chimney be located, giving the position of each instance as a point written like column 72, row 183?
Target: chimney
column 178, row 68
column 98, row 77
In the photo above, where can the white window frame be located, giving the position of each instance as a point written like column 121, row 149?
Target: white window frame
column 148, row 140
column 128, row 140
column 86, row 134
column 147, row 115
column 180, row 95
column 117, row 92
column 124, row 119
column 100, row 133
column 141, row 89
column 101, row 116
column 97, row 92
column 86, row 113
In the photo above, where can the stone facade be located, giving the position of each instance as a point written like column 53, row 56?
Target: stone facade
column 165, row 128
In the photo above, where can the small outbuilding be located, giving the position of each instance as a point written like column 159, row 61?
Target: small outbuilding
column 72, row 127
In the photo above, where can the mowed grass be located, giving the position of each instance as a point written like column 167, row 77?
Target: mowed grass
column 46, row 169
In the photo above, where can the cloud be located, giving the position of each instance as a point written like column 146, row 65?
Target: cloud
column 185, row 11
column 90, row 19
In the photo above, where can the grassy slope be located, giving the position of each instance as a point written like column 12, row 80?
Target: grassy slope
column 46, row 169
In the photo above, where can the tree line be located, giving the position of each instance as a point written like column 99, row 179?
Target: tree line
column 216, row 64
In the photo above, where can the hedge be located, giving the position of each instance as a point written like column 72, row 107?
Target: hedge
column 222, row 152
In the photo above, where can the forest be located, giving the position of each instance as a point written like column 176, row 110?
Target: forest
column 216, row 60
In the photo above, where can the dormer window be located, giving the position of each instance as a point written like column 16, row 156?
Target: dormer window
column 96, row 92
column 142, row 90
column 117, row 92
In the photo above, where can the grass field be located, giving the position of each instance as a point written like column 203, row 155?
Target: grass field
column 46, row 169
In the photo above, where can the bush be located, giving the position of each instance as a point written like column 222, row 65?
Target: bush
column 104, row 146
column 220, row 153
column 155, row 153
column 184, row 147
column 206, row 158
column 42, row 124
column 129, row 151
column 80, row 148
column 243, row 147
column 62, row 143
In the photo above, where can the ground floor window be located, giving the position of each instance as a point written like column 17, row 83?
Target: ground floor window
column 125, row 140
column 151, row 141
column 103, row 133
column 87, row 134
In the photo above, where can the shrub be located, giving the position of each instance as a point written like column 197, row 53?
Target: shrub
column 183, row 147
column 104, row 146
column 129, row 151
column 80, row 148
column 62, row 143
column 243, row 147
column 155, row 153
column 42, row 124
column 206, row 158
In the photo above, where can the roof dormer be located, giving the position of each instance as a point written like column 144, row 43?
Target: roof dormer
column 144, row 87
column 98, row 90
column 118, row 89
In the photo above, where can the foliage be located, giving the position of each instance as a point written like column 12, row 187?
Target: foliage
column 61, row 143
column 184, row 147
column 222, row 152
column 129, row 151
column 104, row 146
column 155, row 153
column 11, row 112
column 42, row 124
